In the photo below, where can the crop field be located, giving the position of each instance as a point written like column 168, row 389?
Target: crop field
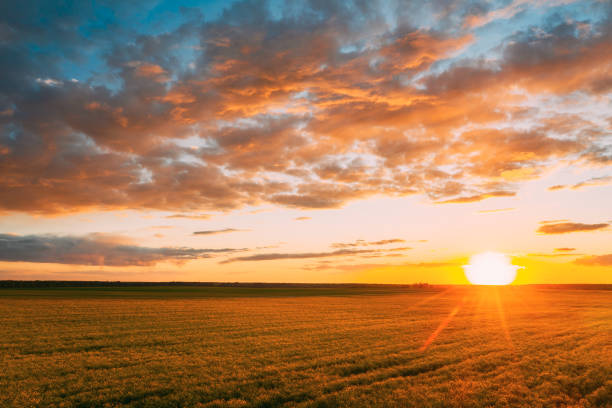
column 312, row 347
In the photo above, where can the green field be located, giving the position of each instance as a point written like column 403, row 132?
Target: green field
column 321, row 347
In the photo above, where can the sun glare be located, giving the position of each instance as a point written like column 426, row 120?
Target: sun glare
column 490, row 268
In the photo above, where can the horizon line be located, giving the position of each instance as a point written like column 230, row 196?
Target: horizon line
column 3, row 282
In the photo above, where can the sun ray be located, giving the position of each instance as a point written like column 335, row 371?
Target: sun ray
column 502, row 318
column 432, row 297
column 478, row 306
column 441, row 327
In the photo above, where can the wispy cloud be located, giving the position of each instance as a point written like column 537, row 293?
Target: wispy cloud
column 365, row 266
column 191, row 216
column 508, row 11
column 361, row 242
column 371, row 253
column 477, row 197
column 553, row 221
column 594, row 181
column 552, row 255
column 497, row 210
column 305, row 255
column 219, row 231
column 567, row 227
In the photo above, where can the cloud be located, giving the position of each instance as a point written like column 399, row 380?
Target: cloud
column 594, row 181
column 387, row 241
column 496, row 210
column 361, row 242
column 564, row 249
column 477, row 197
column 309, row 106
column 554, row 255
column 552, row 221
column 220, row 231
column 305, row 255
column 94, row 249
column 151, row 71
column 508, row 11
column 343, row 251
column 191, row 216
column 302, row 218
column 567, row 227
column 595, row 260
column 350, row 267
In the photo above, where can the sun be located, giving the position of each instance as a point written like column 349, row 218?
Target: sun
column 490, row 268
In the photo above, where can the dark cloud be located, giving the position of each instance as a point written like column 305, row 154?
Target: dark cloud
column 220, row 231
column 305, row 255
column 567, row 227
column 94, row 249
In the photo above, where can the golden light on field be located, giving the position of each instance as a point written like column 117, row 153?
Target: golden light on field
column 490, row 268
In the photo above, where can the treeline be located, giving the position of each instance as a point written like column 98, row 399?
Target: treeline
column 77, row 284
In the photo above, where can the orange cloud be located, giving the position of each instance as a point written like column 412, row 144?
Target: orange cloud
column 496, row 210
column 191, row 216
column 307, row 113
column 595, row 181
column 152, row 71
column 567, row 227
column 478, row 197
column 596, row 260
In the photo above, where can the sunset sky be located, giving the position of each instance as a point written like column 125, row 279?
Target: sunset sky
column 306, row 141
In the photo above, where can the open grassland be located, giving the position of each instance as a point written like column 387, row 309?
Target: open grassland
column 219, row 347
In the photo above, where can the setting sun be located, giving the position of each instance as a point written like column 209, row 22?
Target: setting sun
column 490, row 268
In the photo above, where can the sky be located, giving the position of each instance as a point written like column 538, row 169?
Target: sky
column 305, row 141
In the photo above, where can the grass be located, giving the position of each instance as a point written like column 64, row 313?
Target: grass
column 305, row 347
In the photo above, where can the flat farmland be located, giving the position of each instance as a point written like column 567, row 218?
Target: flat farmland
column 311, row 347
